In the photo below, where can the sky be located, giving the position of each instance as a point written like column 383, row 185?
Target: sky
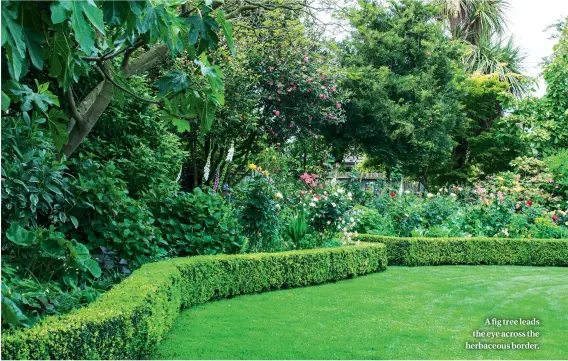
column 527, row 21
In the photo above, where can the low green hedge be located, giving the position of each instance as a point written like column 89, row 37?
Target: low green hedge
column 128, row 321
column 422, row 251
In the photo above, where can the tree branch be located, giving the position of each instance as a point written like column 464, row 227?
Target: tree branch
column 109, row 78
column 72, row 107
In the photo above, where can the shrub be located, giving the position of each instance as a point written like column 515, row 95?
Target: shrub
column 128, row 321
column 196, row 223
column 371, row 221
column 496, row 251
column 259, row 211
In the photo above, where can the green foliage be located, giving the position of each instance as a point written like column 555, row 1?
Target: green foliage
column 499, row 251
column 133, row 317
column 371, row 221
column 259, row 212
column 401, row 71
column 196, row 223
column 65, row 39
column 490, row 141
column 558, row 167
column 298, row 227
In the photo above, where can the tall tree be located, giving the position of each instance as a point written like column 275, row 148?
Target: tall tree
column 482, row 24
column 405, row 105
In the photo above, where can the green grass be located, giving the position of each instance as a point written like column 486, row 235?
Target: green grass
column 403, row 313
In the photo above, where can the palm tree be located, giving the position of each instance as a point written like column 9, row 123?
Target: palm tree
column 482, row 25
column 471, row 20
column 502, row 57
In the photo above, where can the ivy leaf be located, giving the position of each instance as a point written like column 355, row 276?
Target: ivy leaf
column 173, row 81
column 20, row 236
column 57, row 121
column 227, row 27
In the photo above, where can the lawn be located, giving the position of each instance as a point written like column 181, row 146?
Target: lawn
column 403, row 313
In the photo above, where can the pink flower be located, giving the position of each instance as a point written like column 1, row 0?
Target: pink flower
column 291, row 125
column 337, row 105
column 262, row 63
column 310, row 117
column 306, row 59
column 321, row 96
column 550, row 180
column 315, row 136
column 332, row 88
column 309, row 80
column 323, row 76
column 277, row 112
column 279, row 91
column 271, row 83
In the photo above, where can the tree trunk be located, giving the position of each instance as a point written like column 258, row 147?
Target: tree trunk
column 96, row 102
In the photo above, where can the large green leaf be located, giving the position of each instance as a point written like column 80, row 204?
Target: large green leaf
column 11, row 313
column 58, row 121
column 207, row 116
column 20, row 236
column 181, row 124
column 33, row 42
column 172, row 82
column 115, row 12
column 85, row 18
column 11, row 30
column 227, row 27
column 93, row 267
column 64, row 66
column 54, row 246
column 5, row 101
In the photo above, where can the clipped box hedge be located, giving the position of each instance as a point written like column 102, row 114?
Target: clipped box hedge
column 128, row 321
column 423, row 251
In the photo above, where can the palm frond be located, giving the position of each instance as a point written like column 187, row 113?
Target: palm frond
column 502, row 57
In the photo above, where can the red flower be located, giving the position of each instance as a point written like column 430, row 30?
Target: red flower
column 392, row 194
column 529, row 203
column 277, row 112
column 555, row 218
